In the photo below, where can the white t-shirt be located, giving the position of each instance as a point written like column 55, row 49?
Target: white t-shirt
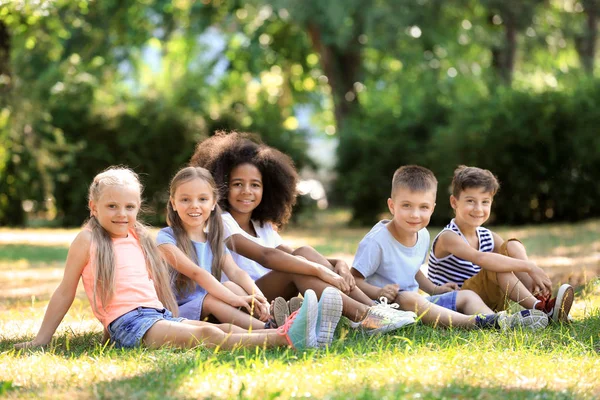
column 382, row 260
column 266, row 236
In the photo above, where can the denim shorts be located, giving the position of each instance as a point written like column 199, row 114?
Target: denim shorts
column 129, row 329
column 446, row 300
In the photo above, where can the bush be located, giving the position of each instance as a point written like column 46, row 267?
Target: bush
column 542, row 146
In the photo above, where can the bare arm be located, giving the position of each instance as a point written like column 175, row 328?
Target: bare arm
column 431, row 288
column 336, row 265
column 516, row 249
column 241, row 277
column 178, row 260
column 63, row 296
column 452, row 243
column 375, row 292
column 279, row 260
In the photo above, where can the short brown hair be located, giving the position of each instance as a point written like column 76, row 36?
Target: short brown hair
column 473, row 177
column 415, row 178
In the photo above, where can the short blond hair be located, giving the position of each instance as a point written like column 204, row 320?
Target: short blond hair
column 415, row 178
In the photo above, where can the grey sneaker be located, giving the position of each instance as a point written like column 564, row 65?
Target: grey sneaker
column 529, row 319
column 295, row 303
column 280, row 311
column 330, row 311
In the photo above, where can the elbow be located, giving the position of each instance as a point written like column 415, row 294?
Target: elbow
column 268, row 257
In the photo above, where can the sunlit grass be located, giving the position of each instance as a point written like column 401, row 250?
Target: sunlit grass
column 561, row 362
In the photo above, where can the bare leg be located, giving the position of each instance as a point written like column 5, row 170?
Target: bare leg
column 432, row 314
column 515, row 289
column 313, row 255
column 227, row 313
column 188, row 334
column 469, row 303
column 515, row 249
column 286, row 285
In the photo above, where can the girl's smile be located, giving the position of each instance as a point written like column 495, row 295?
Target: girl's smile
column 193, row 201
column 116, row 210
column 245, row 189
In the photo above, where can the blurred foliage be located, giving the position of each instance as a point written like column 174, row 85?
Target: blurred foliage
column 507, row 86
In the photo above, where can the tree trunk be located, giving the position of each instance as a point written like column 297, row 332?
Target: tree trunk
column 5, row 76
column 342, row 68
column 503, row 56
column 11, row 211
column 586, row 45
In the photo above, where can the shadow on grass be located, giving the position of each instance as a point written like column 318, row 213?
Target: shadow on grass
column 32, row 253
column 454, row 390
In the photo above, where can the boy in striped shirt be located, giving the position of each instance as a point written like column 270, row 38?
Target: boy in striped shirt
column 478, row 260
column 387, row 264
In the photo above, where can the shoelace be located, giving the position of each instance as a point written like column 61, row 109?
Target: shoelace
column 384, row 302
column 283, row 329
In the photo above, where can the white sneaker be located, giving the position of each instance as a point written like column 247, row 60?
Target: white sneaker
column 384, row 318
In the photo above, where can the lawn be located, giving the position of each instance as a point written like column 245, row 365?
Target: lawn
column 561, row 362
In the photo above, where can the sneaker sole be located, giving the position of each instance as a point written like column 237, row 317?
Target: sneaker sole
column 391, row 327
column 295, row 303
column 564, row 301
column 280, row 311
column 311, row 302
column 529, row 319
column 330, row 308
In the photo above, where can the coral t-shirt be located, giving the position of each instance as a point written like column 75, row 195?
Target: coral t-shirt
column 133, row 285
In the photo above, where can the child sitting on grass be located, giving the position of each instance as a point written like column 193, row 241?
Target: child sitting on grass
column 127, row 283
column 479, row 260
column 387, row 263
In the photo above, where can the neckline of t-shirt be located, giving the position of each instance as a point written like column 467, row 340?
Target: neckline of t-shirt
column 462, row 235
column 396, row 240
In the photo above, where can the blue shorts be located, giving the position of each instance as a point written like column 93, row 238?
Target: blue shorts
column 129, row 329
column 446, row 300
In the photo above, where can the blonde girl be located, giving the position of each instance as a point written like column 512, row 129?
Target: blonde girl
column 127, row 282
column 193, row 245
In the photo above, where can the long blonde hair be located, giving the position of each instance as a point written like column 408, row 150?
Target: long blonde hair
column 182, row 283
column 103, row 257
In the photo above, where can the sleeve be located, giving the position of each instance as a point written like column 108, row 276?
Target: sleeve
column 274, row 239
column 367, row 258
column 426, row 241
column 230, row 227
column 165, row 236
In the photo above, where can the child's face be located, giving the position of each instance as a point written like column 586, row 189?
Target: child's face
column 193, row 201
column 116, row 209
column 472, row 207
column 245, row 189
column 411, row 210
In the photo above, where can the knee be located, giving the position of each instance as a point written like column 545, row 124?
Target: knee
column 467, row 295
column 208, row 335
column 407, row 300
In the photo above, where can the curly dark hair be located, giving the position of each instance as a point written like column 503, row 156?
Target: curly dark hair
column 224, row 151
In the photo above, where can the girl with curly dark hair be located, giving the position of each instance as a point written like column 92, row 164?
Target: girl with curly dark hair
column 257, row 186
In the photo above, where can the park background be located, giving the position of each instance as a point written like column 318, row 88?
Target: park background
column 350, row 90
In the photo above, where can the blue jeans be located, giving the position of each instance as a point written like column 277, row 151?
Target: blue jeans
column 129, row 329
column 446, row 300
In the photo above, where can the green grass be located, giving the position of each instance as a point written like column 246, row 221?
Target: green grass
column 561, row 362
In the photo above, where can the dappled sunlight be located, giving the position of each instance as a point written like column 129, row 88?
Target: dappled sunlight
column 40, row 237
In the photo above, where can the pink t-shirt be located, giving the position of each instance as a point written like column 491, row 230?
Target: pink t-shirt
column 133, row 286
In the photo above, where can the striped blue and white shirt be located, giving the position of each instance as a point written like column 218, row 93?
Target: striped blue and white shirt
column 455, row 269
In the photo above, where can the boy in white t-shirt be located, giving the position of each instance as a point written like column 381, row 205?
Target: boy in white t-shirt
column 387, row 263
